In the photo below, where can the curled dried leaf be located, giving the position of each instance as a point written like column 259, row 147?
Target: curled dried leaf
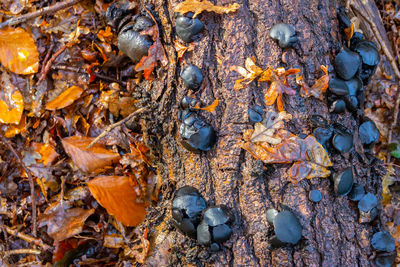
column 181, row 49
column 18, row 51
column 319, row 87
column 197, row 6
column 250, row 73
column 65, row 99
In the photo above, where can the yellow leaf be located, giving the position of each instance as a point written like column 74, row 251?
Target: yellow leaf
column 117, row 195
column 197, row 6
column 65, row 99
column 13, row 113
column 94, row 159
column 18, row 51
column 209, row 108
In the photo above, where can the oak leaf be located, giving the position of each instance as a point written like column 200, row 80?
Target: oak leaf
column 94, row 159
column 65, row 99
column 197, row 6
column 118, row 196
column 18, row 51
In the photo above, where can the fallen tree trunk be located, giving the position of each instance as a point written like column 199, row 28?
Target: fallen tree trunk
column 332, row 234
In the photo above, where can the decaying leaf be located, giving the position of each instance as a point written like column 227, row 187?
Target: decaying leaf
column 156, row 53
column 18, row 51
column 209, row 108
column 181, row 49
column 197, row 6
column 118, row 196
column 349, row 32
column 105, row 35
column 387, row 180
column 114, row 241
column 250, row 73
column 11, row 101
column 47, row 153
column 265, row 132
column 94, row 159
column 62, row 221
column 319, row 87
column 14, row 129
column 65, row 99
column 139, row 251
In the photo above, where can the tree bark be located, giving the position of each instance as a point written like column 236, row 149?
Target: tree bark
column 332, row 235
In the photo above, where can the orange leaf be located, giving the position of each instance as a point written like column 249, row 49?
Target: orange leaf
column 18, row 51
column 118, row 197
column 181, row 49
column 105, row 35
column 271, row 94
column 349, row 32
column 279, row 102
column 65, row 99
column 197, row 6
column 13, row 130
column 209, row 108
column 94, row 159
column 12, row 113
column 46, row 151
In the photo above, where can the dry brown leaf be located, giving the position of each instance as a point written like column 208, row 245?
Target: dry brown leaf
column 12, row 129
column 92, row 160
column 114, row 241
column 250, row 73
column 387, row 180
column 319, row 87
column 65, row 99
column 197, row 6
column 181, row 49
column 47, row 153
column 18, row 51
column 209, row 108
column 265, row 132
column 118, row 196
column 63, row 222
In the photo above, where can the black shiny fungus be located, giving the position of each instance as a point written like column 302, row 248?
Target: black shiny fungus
column 189, row 103
column 142, row 23
column 383, row 241
column 287, row 227
column 284, row 34
column 323, row 135
column 256, row 114
column 368, row 133
column 370, row 59
column 354, row 86
column 367, row 202
column 343, row 142
column 343, row 182
column 114, row 14
column 215, row 226
column 347, row 64
column 339, row 106
column 271, row 214
column 338, row 87
column 187, row 207
column 132, row 43
column 344, row 21
column 318, row 121
column 357, row 192
column 355, row 39
column 385, row 260
column 315, row 195
column 192, row 77
column 351, row 102
column 186, row 27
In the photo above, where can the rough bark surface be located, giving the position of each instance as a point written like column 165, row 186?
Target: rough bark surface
column 332, row 235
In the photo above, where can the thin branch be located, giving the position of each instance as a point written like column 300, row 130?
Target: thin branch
column 22, row 251
column 26, row 238
column 47, row 56
column 393, row 64
column 31, row 183
column 112, row 126
column 47, row 67
column 46, row 10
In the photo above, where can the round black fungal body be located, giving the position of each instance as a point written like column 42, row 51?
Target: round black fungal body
column 344, row 21
column 192, row 77
column 131, row 42
column 367, row 202
column 323, row 135
column 284, row 34
column 187, row 28
column 338, row 106
column 357, row 192
column 385, row 260
column 347, row 64
column 256, row 114
column 114, row 14
column 343, row 182
column 354, row 86
column 315, row 195
column 215, row 228
column 338, row 87
column 189, row 103
column 287, row 227
column 271, row 214
column 187, row 207
column 355, row 39
column 368, row 133
column 369, row 57
column 383, row 241
column 343, row 142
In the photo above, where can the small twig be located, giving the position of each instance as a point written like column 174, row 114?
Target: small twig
column 114, row 125
column 21, row 251
column 5, row 235
column 47, row 67
column 47, row 56
column 31, row 183
column 26, row 238
column 393, row 64
column 46, row 10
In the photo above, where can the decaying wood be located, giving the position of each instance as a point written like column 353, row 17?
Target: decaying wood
column 332, row 235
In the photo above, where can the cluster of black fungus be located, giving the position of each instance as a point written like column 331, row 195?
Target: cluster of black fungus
column 284, row 34
column 384, row 243
column 197, row 135
column 192, row 77
column 210, row 226
column 130, row 40
column 354, row 66
column 287, row 227
column 187, row 27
